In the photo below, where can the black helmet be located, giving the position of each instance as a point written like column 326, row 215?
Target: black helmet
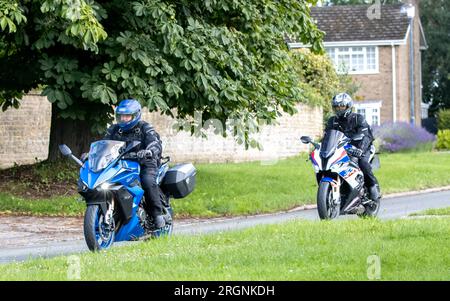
column 342, row 104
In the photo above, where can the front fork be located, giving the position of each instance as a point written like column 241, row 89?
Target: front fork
column 109, row 213
column 336, row 191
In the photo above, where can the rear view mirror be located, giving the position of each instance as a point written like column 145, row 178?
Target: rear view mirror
column 65, row 150
column 306, row 139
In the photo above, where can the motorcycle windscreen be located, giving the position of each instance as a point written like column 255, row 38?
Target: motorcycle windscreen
column 330, row 142
column 103, row 152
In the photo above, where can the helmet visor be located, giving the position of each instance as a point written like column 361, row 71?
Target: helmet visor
column 340, row 108
column 125, row 118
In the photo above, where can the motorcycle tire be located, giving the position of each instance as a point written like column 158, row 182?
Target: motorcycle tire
column 93, row 228
column 324, row 199
column 371, row 209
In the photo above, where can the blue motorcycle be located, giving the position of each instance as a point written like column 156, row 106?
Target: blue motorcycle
column 110, row 184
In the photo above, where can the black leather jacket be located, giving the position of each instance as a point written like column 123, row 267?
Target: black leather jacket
column 352, row 125
column 143, row 132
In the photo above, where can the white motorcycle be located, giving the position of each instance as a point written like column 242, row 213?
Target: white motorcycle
column 341, row 181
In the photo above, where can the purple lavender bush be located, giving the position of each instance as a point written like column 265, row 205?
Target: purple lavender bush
column 402, row 136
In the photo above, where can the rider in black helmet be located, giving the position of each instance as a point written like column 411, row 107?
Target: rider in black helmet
column 353, row 124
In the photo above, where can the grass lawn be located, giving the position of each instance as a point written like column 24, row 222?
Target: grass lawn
column 57, row 206
column 298, row 250
column 251, row 188
column 441, row 211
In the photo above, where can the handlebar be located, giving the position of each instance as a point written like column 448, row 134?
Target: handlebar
column 130, row 156
column 133, row 156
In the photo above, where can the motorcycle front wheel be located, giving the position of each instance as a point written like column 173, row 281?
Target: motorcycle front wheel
column 97, row 233
column 325, row 206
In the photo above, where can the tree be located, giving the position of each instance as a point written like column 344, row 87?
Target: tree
column 435, row 18
column 357, row 2
column 225, row 59
column 319, row 79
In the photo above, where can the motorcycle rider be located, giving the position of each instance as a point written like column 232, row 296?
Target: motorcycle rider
column 130, row 127
column 352, row 124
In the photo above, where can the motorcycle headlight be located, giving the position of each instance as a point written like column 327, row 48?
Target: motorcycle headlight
column 106, row 186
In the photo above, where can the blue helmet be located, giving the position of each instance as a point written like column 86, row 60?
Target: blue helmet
column 342, row 104
column 128, row 114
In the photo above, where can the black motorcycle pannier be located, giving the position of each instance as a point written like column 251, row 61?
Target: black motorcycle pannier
column 179, row 180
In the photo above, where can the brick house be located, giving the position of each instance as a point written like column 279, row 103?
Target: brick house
column 372, row 44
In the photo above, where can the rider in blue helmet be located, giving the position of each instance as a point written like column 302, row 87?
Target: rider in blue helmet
column 128, row 114
column 130, row 127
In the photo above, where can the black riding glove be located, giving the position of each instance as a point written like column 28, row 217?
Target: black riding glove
column 356, row 152
column 145, row 153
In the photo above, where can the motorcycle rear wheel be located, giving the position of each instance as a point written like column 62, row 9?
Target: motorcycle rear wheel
column 325, row 206
column 371, row 209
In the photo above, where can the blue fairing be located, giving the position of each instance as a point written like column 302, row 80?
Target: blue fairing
column 128, row 173
column 133, row 228
column 326, row 179
column 124, row 173
column 87, row 176
column 344, row 159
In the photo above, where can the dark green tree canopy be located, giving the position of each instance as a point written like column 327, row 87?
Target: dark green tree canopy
column 356, row 2
column 435, row 18
column 222, row 58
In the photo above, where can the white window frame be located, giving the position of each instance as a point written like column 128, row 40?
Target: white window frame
column 369, row 107
column 337, row 52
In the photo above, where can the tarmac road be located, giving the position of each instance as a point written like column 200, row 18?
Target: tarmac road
column 47, row 236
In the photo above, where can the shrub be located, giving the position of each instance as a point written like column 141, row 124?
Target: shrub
column 320, row 81
column 443, row 139
column 444, row 120
column 402, row 136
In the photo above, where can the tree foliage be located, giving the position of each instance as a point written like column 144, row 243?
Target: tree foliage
column 357, row 2
column 435, row 18
column 222, row 58
column 319, row 79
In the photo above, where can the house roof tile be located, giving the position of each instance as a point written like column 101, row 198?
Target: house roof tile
column 352, row 23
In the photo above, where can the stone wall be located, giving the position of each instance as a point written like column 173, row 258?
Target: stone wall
column 25, row 136
column 280, row 141
column 25, row 132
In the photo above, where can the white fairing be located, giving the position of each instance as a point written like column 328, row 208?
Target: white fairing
column 338, row 163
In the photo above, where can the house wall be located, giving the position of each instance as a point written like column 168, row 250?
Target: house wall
column 378, row 86
column 404, row 70
column 418, row 68
column 403, row 108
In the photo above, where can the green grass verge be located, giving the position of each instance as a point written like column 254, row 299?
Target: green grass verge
column 441, row 211
column 298, row 250
column 248, row 188
column 252, row 188
column 58, row 206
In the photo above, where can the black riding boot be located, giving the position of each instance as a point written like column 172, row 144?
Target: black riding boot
column 153, row 203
